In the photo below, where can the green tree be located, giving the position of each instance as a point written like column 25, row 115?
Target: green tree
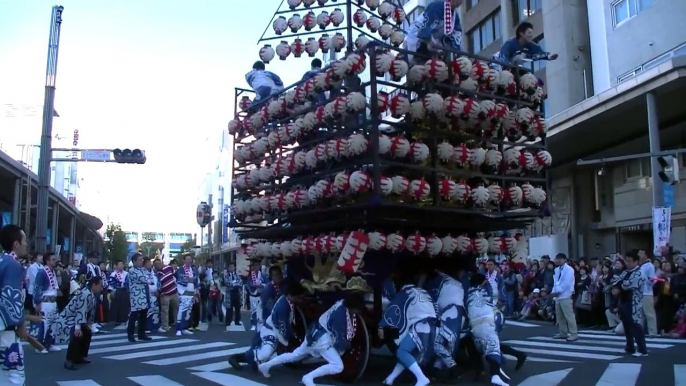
column 116, row 245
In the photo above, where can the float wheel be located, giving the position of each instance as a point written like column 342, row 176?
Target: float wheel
column 356, row 358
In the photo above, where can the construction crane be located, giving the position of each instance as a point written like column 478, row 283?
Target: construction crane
column 46, row 136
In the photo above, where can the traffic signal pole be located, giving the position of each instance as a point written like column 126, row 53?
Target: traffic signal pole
column 654, row 139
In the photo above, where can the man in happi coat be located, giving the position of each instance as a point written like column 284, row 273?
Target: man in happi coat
column 277, row 329
column 628, row 286
column 153, row 320
column 429, row 29
column 139, row 298
column 119, row 304
column 91, row 270
column 74, row 323
column 232, row 296
column 328, row 338
column 12, row 328
column 272, row 291
column 482, row 320
column 188, row 282
column 45, row 292
column 412, row 313
column 254, row 284
column 448, row 295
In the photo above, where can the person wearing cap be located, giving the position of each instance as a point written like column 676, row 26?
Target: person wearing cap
column 563, row 289
column 75, row 323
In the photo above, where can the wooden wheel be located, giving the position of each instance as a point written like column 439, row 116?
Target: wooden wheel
column 356, row 358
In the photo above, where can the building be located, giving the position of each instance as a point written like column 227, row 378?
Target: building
column 168, row 243
column 611, row 56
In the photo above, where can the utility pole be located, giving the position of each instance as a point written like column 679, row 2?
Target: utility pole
column 46, row 136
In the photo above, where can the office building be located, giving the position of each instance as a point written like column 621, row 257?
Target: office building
column 163, row 244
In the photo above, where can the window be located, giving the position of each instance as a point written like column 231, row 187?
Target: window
column 637, row 168
column 472, row 3
column 623, row 10
column 526, row 8
column 629, row 75
column 485, row 33
column 539, row 64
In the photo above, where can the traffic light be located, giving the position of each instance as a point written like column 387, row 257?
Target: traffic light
column 670, row 169
column 127, row 156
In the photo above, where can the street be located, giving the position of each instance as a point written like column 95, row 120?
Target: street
column 200, row 360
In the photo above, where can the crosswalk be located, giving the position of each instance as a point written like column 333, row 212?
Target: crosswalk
column 592, row 345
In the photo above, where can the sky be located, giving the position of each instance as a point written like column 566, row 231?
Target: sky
column 157, row 75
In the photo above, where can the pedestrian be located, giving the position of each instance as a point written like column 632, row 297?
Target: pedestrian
column 139, row 298
column 75, row 323
column 188, row 282
column 648, row 272
column 562, row 292
column 45, row 302
column 119, row 305
column 233, row 286
column 629, row 287
column 169, row 294
column 12, row 327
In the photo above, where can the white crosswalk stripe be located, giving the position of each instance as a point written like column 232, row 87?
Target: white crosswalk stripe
column 594, row 345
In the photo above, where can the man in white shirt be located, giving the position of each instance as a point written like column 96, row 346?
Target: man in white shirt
column 562, row 294
column 31, row 280
column 648, row 272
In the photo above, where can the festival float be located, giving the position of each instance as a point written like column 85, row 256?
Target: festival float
column 430, row 158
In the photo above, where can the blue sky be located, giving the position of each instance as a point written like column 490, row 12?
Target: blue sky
column 156, row 75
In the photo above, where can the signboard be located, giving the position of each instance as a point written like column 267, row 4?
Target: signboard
column 95, row 155
column 72, row 199
column 662, row 219
column 225, row 224
column 74, row 154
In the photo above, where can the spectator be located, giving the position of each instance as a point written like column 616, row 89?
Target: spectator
column 63, row 282
column 169, row 295
column 531, row 305
column 532, row 280
column 510, row 289
column 547, row 272
column 665, row 305
column 214, row 301
column 584, row 297
column 648, row 272
column 546, row 307
column 522, row 48
column 264, row 83
column 562, row 294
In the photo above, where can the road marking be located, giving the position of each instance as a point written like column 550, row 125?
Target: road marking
column 648, row 340
column 85, row 382
column 230, row 379
column 173, row 350
column 197, row 357
column 108, row 336
column 603, row 342
column 620, row 374
column 679, row 375
column 217, row 366
column 108, row 342
column 565, row 346
column 548, row 379
column 537, row 359
column 137, row 346
column 521, row 324
column 154, row 380
column 584, row 355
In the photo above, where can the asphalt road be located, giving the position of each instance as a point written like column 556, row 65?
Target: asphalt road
column 200, row 360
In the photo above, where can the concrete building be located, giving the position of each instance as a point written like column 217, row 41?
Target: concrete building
column 168, row 243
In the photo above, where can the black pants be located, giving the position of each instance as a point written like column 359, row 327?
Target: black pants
column 195, row 315
column 79, row 346
column 140, row 316
column 233, row 312
column 632, row 331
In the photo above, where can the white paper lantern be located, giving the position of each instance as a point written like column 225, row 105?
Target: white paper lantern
column 434, row 245
column 453, row 106
column 373, row 24
column 295, row 23
column 464, row 244
column 514, row 195
column 324, row 43
column 359, row 181
column 417, row 111
column 357, row 144
column 356, row 63
column 386, row 185
column 372, row 4
column 445, row 151
column 419, row 152
column 493, row 158
column 495, row 194
column 417, row 74
column 240, row 182
column 267, row 53
column 342, row 182
column 462, row 155
column 400, row 105
column 386, row 9
column 311, row 160
column 265, row 203
column 377, row 240
column 338, row 42
column 360, row 18
column 293, row 4
column 538, row 196
column 480, row 196
column 296, row 246
column 446, row 188
column 383, row 63
column 480, row 245
column 336, row 17
column 285, row 249
column 361, row 42
column 511, row 157
column 385, row 144
column 420, row 189
column 397, row 38
column 341, row 240
column 462, row 67
column 355, row 102
column 448, row 245
column 543, row 159
column 398, row 69
column 320, row 151
column 385, row 31
column 395, row 242
column 276, row 250
column 314, row 194
column 415, row 243
column 477, row 157
column 400, row 147
column 280, row 25
column 323, row 20
column 433, row 103
column 401, row 184
column 238, row 207
column 436, row 69
column 528, row 83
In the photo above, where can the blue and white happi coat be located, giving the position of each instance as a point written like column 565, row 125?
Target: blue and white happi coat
column 80, row 310
column 254, row 284
column 187, row 281
column 232, row 282
column 11, row 318
column 154, row 320
column 335, row 328
column 482, row 320
column 430, row 26
column 270, row 294
column 277, row 329
column 45, row 289
column 413, row 313
column 139, row 289
column 448, row 295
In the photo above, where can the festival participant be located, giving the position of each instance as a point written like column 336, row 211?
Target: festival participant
column 90, row 270
column 139, row 298
column 12, row 328
column 119, row 306
column 232, row 297
column 277, row 329
column 74, row 323
column 272, row 291
column 254, row 284
column 480, row 308
column 45, row 292
column 102, row 311
column 429, row 30
column 188, row 282
column 153, row 320
column 413, row 314
column 328, row 338
column 448, row 294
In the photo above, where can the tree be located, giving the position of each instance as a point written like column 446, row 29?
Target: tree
column 148, row 244
column 117, row 246
column 188, row 245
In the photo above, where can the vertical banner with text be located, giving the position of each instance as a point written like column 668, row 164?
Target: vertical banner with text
column 225, row 224
column 662, row 219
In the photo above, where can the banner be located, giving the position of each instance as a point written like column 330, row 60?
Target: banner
column 225, row 224
column 662, row 219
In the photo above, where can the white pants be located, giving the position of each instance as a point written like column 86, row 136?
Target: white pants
column 256, row 310
column 46, row 310
column 486, row 338
column 10, row 345
column 334, row 362
column 612, row 319
column 267, row 348
column 649, row 314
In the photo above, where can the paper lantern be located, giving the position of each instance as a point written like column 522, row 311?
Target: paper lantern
column 395, row 242
column 377, row 240
column 434, row 245
column 360, row 18
column 280, row 25
column 337, row 17
column 448, row 245
column 266, row 53
column 415, row 243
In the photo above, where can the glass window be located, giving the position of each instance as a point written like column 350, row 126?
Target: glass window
column 476, row 40
column 633, row 169
column 629, row 75
column 539, row 64
column 486, row 32
column 526, row 8
column 496, row 24
column 620, row 11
